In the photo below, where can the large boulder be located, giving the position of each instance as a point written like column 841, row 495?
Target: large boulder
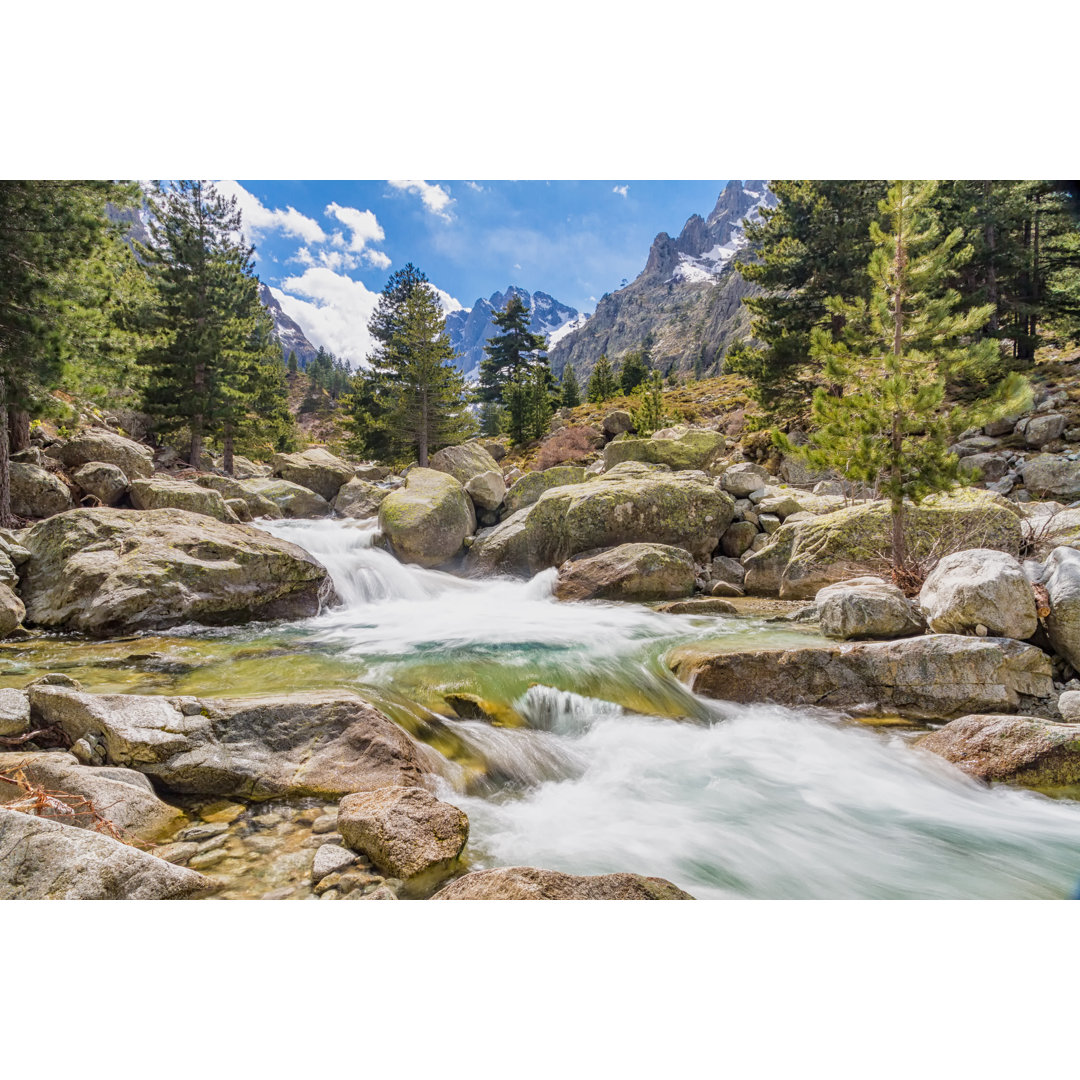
column 803, row 557
column 934, row 677
column 1060, row 576
column 107, row 572
column 979, row 587
column 232, row 490
column 133, row 459
column 628, row 572
column 105, row 482
column 158, row 494
column 12, row 611
column 530, row 883
column 1023, row 750
column 487, row 490
column 307, row 744
column 464, row 462
column 404, row 831
column 14, row 712
column 292, row 500
column 744, row 478
column 37, row 493
column 46, row 860
column 123, row 798
column 426, row 522
column 316, row 469
column 525, row 491
column 1051, row 477
column 359, row 499
column 866, row 607
column 678, row 448
column 631, row 504
column 618, row 421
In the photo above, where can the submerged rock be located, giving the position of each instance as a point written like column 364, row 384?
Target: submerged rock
column 46, row 860
column 404, row 831
column 628, row 572
column 1023, row 750
column 530, row 883
column 934, row 677
column 426, row 522
column 979, row 587
column 631, row 504
column 106, row 572
column 328, row 744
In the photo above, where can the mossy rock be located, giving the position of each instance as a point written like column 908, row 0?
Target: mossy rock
column 531, row 486
column 683, row 448
column 426, row 522
column 804, row 557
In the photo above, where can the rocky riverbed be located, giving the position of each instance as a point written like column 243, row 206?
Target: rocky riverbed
column 673, row 675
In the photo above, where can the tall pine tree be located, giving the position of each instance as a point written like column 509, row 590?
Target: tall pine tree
column 571, row 391
column 510, row 354
column 889, row 425
column 602, row 384
column 205, row 283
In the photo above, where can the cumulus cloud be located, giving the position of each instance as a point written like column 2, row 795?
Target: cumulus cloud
column 621, row 189
column 259, row 219
column 332, row 310
column 434, row 197
column 474, row 186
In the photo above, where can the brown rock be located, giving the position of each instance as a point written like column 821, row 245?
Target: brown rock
column 530, row 883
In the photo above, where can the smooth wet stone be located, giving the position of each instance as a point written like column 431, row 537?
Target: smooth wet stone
column 197, row 833
column 531, row 883
column 329, row 859
column 178, row 853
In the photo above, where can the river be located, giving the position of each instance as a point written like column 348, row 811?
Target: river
column 602, row 761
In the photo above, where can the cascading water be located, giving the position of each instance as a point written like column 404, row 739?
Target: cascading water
column 724, row 800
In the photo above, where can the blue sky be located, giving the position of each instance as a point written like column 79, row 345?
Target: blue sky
column 326, row 248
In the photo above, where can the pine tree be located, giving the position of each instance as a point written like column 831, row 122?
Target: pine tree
column 890, row 426
column 510, row 354
column 46, row 228
column 540, row 406
column 649, row 415
column 634, row 372
column 294, row 367
column 423, row 392
column 813, row 245
column 602, row 384
column 205, row 287
column 571, row 391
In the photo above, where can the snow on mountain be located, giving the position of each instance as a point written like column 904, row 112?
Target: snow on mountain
column 712, row 263
column 470, row 328
column 289, row 333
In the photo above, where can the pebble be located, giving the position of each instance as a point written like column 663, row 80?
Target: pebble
column 264, row 821
column 207, row 859
column 176, row 853
column 326, row 823
column 203, row 832
column 330, row 858
column 264, row 845
column 227, row 812
column 213, row 843
column 278, row 894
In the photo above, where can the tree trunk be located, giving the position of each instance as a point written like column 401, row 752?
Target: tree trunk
column 195, row 457
column 422, row 449
column 991, row 249
column 227, row 451
column 7, row 518
column 899, row 553
column 19, row 429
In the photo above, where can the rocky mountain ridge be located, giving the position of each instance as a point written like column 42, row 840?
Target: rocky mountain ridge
column 686, row 304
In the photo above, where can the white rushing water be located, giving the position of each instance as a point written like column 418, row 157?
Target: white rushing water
column 735, row 802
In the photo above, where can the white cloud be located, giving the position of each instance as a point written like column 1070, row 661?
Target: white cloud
column 474, row 186
column 362, row 224
column 435, row 197
column 621, row 189
column 332, row 310
column 259, row 219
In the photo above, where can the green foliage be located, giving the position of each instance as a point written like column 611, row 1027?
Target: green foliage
column 883, row 420
column 815, row 244
column 649, row 415
column 413, row 397
column 510, row 354
column 602, row 385
column 571, row 391
column 205, row 314
column 634, row 372
column 293, row 365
